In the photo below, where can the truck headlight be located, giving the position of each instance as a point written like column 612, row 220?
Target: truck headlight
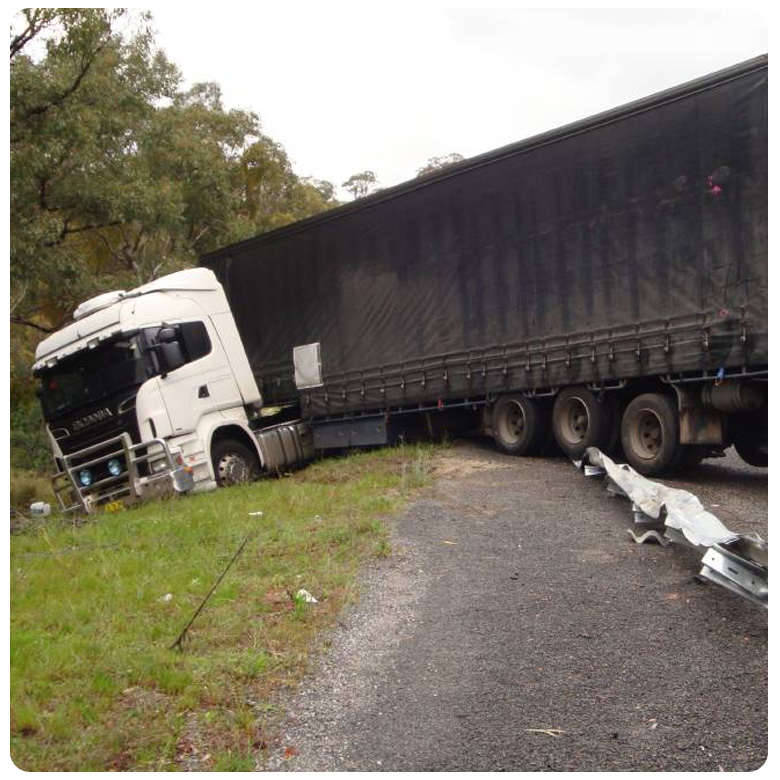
column 85, row 477
column 115, row 467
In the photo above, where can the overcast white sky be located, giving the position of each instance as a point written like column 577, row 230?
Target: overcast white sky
column 346, row 90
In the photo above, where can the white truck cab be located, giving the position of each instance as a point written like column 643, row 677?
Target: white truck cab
column 146, row 389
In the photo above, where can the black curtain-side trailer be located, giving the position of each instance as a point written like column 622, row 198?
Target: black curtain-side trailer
column 629, row 244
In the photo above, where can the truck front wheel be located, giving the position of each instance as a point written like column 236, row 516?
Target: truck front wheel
column 234, row 463
column 519, row 424
column 580, row 421
column 650, row 433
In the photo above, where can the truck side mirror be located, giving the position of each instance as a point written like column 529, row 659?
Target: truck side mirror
column 171, row 357
column 169, row 351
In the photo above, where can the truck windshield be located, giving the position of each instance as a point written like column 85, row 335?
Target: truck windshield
column 92, row 375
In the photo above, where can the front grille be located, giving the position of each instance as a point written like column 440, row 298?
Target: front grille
column 136, row 479
column 100, row 470
column 103, row 486
column 71, row 441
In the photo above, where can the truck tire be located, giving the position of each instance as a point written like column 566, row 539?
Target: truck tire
column 519, row 425
column 580, row 420
column 650, row 432
column 749, row 434
column 234, row 463
column 753, row 455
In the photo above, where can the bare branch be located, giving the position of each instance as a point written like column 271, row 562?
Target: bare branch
column 87, row 60
column 156, row 269
column 69, row 231
column 16, row 320
column 37, row 19
column 19, row 298
column 200, row 235
column 86, row 64
column 110, row 249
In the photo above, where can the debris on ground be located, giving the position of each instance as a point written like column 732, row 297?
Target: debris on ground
column 305, row 596
column 548, row 732
column 737, row 562
column 40, row 508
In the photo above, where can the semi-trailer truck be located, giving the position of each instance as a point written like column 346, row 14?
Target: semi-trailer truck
column 603, row 284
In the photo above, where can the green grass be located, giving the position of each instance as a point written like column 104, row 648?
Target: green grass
column 96, row 607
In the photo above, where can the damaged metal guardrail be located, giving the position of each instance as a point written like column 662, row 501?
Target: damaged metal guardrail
column 738, row 562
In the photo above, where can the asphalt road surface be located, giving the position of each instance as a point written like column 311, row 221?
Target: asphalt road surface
column 518, row 627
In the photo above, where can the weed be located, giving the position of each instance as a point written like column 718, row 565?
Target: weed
column 233, row 761
column 383, row 549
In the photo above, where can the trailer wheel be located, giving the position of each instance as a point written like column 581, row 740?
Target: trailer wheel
column 650, row 432
column 580, row 420
column 519, row 425
column 750, row 437
column 234, row 463
column 753, row 455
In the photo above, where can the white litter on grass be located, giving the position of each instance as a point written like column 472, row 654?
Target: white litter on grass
column 40, row 508
column 255, row 514
column 306, row 596
column 167, row 597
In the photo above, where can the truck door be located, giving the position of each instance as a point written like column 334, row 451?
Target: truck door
column 193, row 373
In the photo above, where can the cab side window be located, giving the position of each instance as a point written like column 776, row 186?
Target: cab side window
column 195, row 339
column 172, row 346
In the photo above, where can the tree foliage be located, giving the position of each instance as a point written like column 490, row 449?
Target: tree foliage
column 437, row 163
column 361, row 184
column 77, row 115
column 118, row 173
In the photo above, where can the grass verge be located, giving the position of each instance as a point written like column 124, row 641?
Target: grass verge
column 96, row 607
column 29, row 486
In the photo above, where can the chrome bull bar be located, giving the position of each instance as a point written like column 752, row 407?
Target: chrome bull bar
column 147, row 468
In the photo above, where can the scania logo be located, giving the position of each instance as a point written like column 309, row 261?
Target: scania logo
column 91, row 419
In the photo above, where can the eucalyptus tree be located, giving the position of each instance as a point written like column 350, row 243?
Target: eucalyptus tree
column 78, row 108
column 361, row 184
column 437, row 163
column 118, row 174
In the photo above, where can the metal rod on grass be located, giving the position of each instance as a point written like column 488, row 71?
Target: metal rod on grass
column 177, row 645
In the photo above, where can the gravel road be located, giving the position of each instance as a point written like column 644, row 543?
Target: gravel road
column 517, row 627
